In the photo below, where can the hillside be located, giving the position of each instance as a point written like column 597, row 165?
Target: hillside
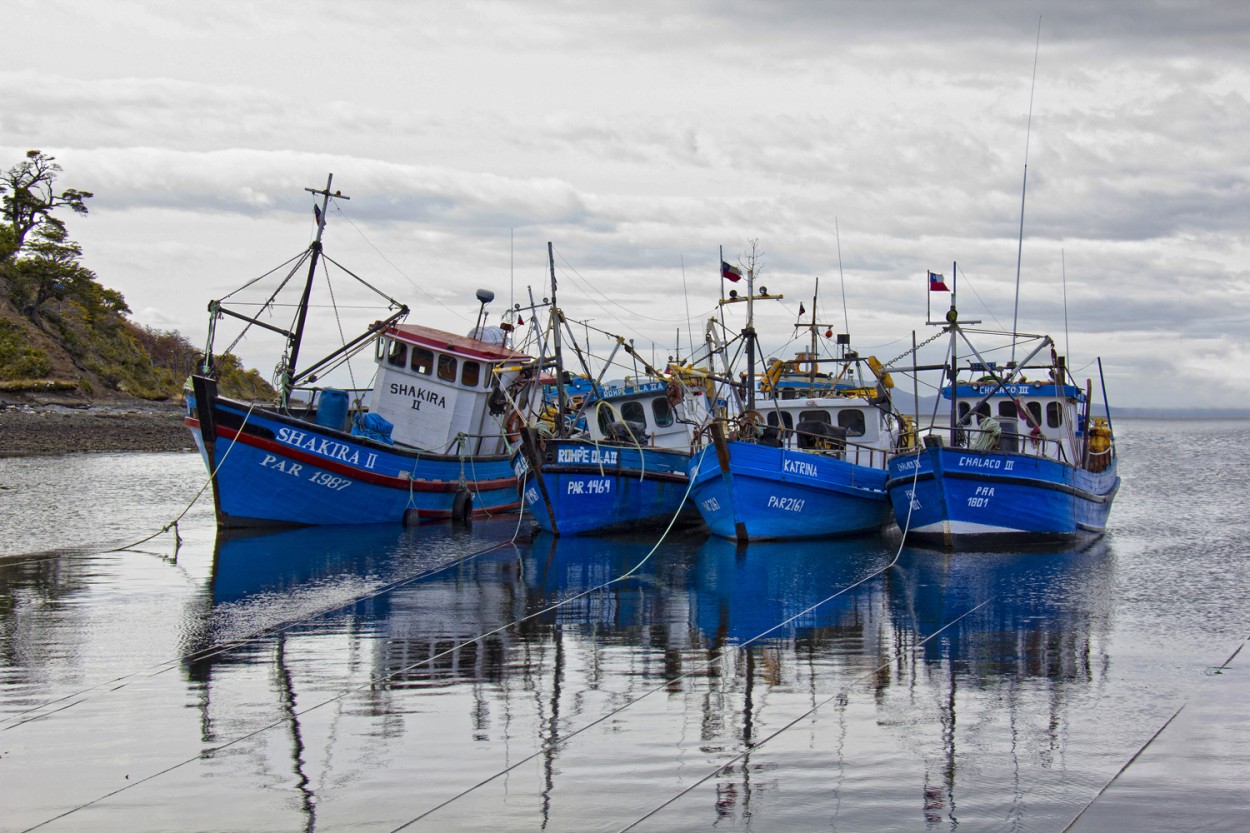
column 77, row 352
column 62, row 331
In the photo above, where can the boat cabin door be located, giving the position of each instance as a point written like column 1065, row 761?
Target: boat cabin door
column 1010, row 439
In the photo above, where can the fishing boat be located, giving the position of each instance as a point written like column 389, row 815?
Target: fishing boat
column 810, row 460
column 426, row 441
column 1012, row 460
column 626, row 470
column 616, row 459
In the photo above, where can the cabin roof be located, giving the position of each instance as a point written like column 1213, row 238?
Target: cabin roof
column 446, row 342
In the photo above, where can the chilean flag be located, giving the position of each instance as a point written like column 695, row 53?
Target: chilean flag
column 730, row 273
column 937, row 283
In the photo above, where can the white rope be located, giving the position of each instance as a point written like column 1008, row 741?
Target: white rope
column 666, row 685
column 211, row 476
column 840, row 694
column 373, row 682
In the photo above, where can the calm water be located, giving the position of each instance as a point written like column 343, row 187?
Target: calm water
column 381, row 678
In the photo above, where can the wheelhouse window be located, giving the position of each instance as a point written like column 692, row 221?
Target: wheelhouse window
column 786, row 420
column 446, row 368
column 1035, row 411
column 1007, row 409
column 1054, row 414
column 422, row 360
column 662, row 412
column 633, row 412
column 815, row 416
column 397, row 354
column 470, row 372
column 982, row 411
column 853, row 421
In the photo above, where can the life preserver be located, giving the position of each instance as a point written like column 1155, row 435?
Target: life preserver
column 512, row 428
column 772, row 375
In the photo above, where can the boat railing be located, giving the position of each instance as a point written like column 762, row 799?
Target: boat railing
column 472, row 444
column 860, row 455
column 979, row 439
column 808, row 442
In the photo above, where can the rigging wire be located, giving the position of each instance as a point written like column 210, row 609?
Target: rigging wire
column 391, row 263
column 584, row 281
column 1028, row 132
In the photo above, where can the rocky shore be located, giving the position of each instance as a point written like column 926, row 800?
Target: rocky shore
column 72, row 427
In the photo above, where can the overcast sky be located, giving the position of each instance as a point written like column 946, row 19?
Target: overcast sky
column 640, row 138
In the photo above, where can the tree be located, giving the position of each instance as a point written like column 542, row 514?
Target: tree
column 28, row 197
column 51, row 271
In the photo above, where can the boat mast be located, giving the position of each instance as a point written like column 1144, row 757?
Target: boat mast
column 952, row 318
column 301, row 313
column 811, row 364
column 749, row 333
column 557, row 317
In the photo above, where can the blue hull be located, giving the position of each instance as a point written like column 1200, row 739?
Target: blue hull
column 271, row 470
column 587, row 488
column 761, row 493
column 975, row 499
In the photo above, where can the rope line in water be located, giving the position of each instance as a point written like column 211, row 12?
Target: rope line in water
column 754, row 746
column 372, row 681
column 1129, row 763
column 666, row 685
column 273, row 630
column 226, row 647
column 172, row 524
column 211, row 476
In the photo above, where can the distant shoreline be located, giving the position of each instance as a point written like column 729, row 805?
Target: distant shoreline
column 44, row 429
column 74, row 428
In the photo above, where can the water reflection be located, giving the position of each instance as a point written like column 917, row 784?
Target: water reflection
column 1016, row 663
column 530, row 645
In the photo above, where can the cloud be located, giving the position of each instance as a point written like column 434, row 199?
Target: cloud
column 857, row 142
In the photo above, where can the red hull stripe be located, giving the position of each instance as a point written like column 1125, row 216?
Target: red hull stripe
column 355, row 473
column 443, row 515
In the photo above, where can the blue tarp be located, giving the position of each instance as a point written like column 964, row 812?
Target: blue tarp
column 373, row 427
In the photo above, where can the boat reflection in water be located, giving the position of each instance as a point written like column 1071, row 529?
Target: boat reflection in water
column 415, row 640
column 1016, row 667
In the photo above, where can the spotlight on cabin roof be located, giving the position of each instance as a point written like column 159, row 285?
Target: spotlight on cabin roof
column 485, row 296
column 764, row 291
column 733, row 293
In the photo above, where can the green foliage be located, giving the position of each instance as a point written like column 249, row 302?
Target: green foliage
column 28, row 196
column 42, row 279
column 235, row 381
column 18, row 360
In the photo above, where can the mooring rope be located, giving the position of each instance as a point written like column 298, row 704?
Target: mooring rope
column 1124, row 768
column 211, row 651
column 792, row 723
column 374, row 681
column 666, row 685
column 215, row 650
column 211, row 477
